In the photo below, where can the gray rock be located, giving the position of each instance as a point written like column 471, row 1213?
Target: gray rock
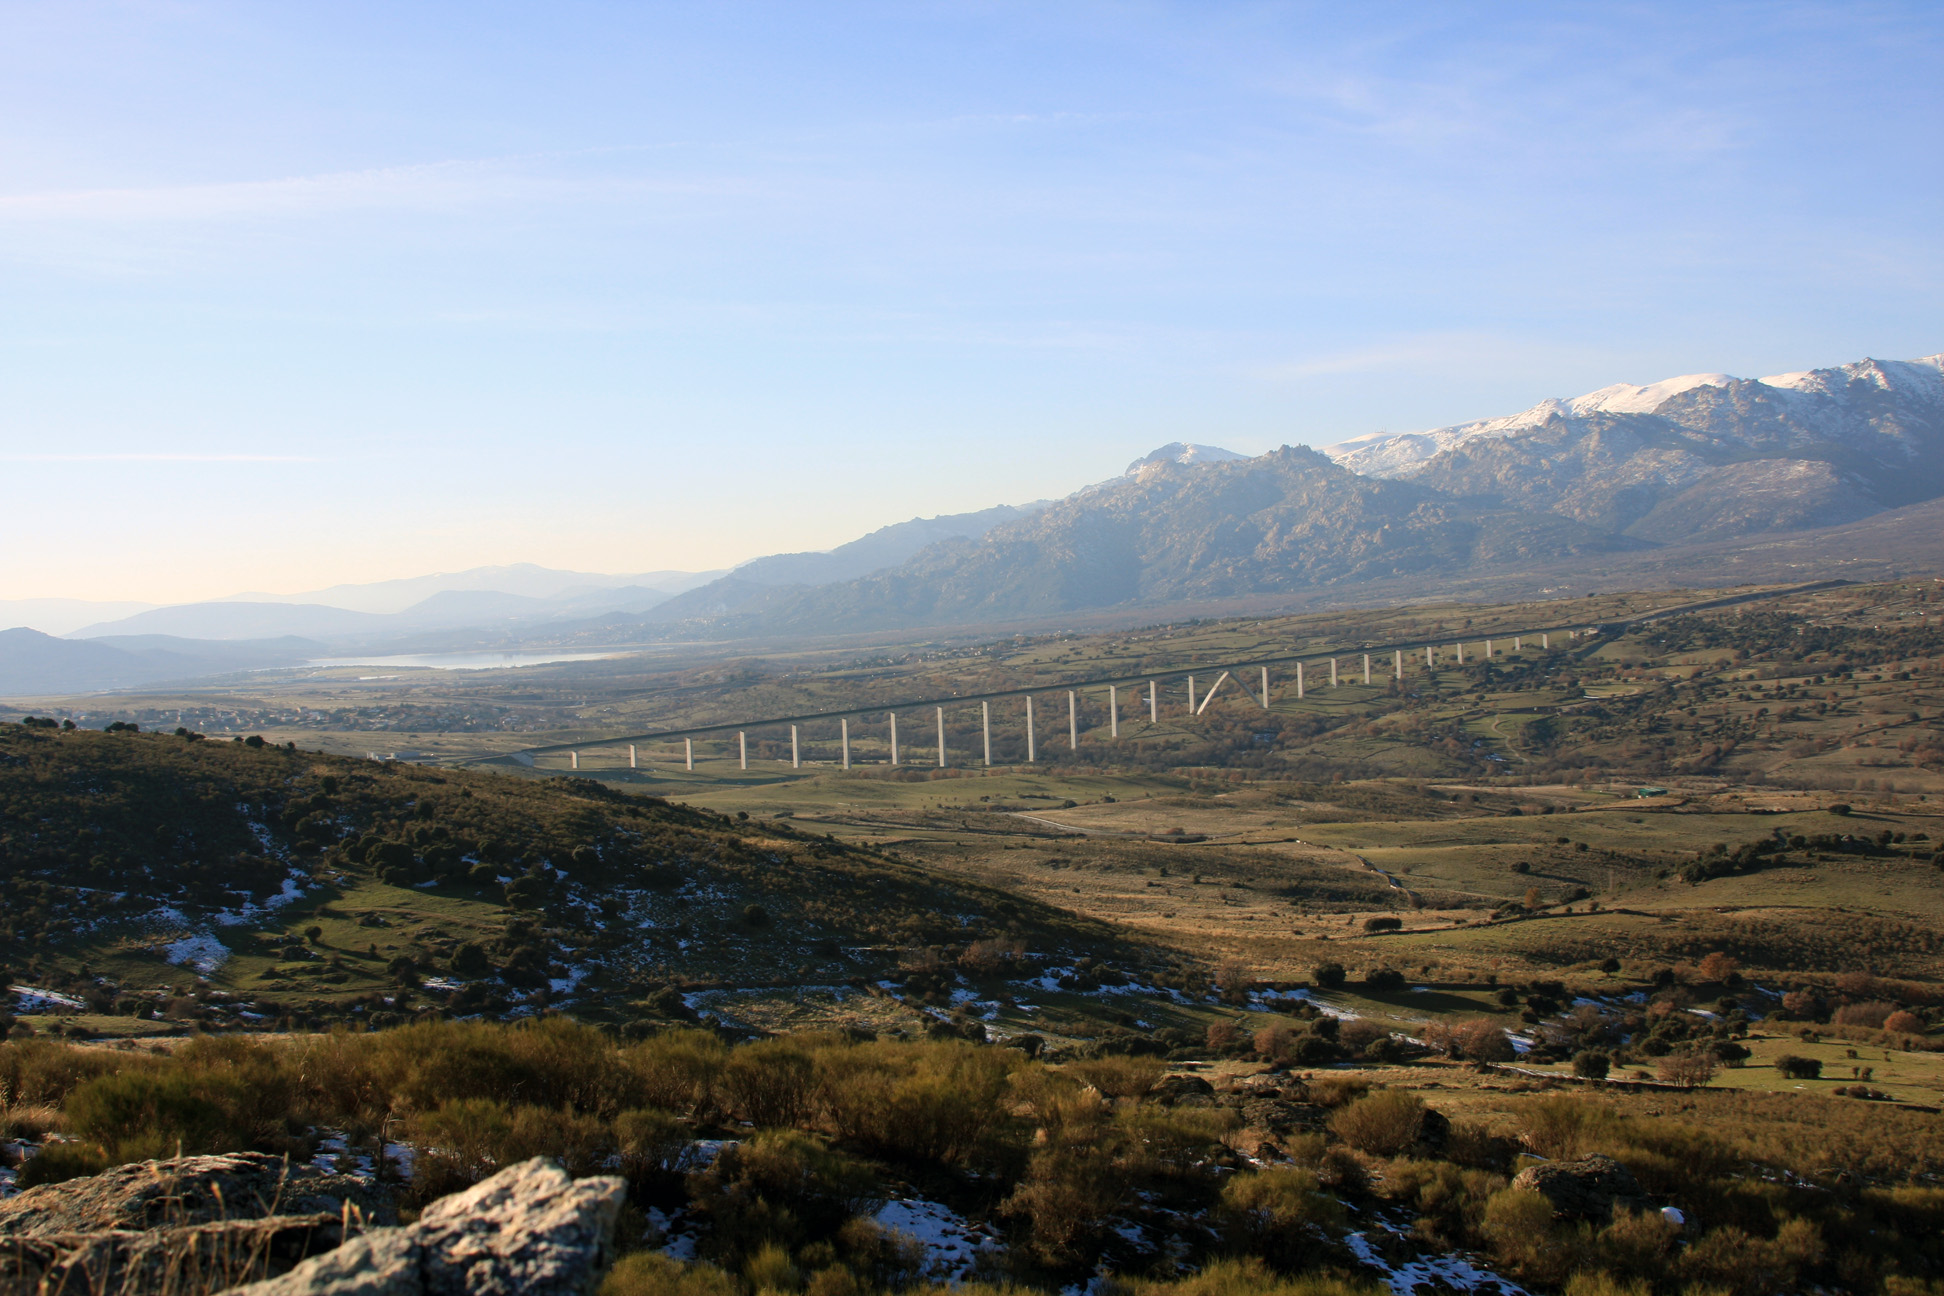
column 200, row 1223
column 530, row 1229
column 1586, row 1190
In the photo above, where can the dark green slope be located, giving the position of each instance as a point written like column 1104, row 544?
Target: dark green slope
column 159, row 863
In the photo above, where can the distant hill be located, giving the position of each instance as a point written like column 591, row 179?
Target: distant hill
column 153, row 859
column 33, row 664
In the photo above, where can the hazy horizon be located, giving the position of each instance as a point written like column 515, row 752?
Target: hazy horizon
column 301, row 297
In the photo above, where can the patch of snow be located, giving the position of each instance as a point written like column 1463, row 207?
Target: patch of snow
column 441, row 983
column 1446, row 1272
column 1674, row 1216
column 202, row 952
column 951, row 1245
column 37, row 999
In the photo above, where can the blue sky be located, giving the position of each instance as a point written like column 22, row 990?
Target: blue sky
column 293, row 294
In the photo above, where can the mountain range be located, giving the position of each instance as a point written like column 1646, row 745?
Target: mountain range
column 1699, row 479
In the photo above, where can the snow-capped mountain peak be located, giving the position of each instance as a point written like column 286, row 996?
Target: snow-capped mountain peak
column 1917, row 383
column 1182, row 452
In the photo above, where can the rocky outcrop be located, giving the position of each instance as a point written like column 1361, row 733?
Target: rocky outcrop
column 530, row 1229
column 188, row 1224
column 1584, row 1190
column 210, row 1223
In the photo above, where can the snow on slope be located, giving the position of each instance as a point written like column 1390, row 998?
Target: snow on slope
column 1381, row 454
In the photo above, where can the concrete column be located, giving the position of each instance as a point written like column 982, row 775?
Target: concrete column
column 1461, row 654
column 1032, row 752
column 1518, row 643
column 941, row 737
column 1113, row 712
column 1545, row 641
column 1488, row 650
column 1191, row 695
column 1333, row 677
column 1154, row 703
column 1429, row 661
column 985, row 728
column 1210, row 695
column 573, row 760
column 1299, row 681
column 742, row 747
column 631, row 757
column 796, row 758
column 1073, row 722
column 894, row 736
column 1397, row 664
column 1366, row 668
column 688, row 752
column 1265, row 688
column 843, row 729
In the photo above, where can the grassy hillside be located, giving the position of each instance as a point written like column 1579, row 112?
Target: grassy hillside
column 245, row 881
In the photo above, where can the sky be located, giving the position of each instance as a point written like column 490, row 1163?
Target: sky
column 297, row 294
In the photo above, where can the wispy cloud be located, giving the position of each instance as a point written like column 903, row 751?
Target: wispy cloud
column 146, row 457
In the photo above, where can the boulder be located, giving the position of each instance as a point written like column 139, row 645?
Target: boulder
column 1584, row 1190
column 1174, row 1087
column 530, row 1229
column 202, row 1222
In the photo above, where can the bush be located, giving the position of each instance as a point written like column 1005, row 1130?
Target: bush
column 1518, row 1225
column 1384, row 980
column 1799, row 1068
column 778, row 1187
column 1329, row 975
column 1279, row 1215
column 59, row 1162
column 650, row 1273
column 1119, row 1077
column 1383, row 924
column 463, row 1142
column 677, row 1070
column 139, row 1115
column 1384, row 1123
column 1904, row 1023
column 769, row 1083
column 1591, row 1064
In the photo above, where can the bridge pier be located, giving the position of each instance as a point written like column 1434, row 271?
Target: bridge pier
column 1397, row 664
column 1154, row 702
column 1545, row 641
column 631, row 757
column 796, row 759
column 1073, row 722
column 1113, row 712
column 985, row 728
column 1461, row 654
column 1366, row 668
column 573, row 760
column 1265, row 688
column 1032, row 751
column 894, row 736
column 1299, row 681
column 844, row 731
column 1191, row 695
column 742, row 746
column 941, row 737
column 1333, row 677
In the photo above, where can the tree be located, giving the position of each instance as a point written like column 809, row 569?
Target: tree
column 1718, row 967
column 1329, row 975
column 1591, row 1064
column 1688, row 1070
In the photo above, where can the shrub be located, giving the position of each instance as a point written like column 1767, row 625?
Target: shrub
column 1329, row 975
column 1383, row 924
column 1279, row 1215
column 768, row 1083
column 1871, row 1015
column 1591, row 1064
column 1799, row 1068
column 1384, row 1123
column 137, row 1115
column 1480, row 1039
column 650, row 1273
column 1904, row 1023
column 465, row 1141
column 1384, row 980
column 778, row 1187
column 940, row 1102
column 677, row 1070
column 1518, row 1225
column 1689, row 1069
column 1119, row 1077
